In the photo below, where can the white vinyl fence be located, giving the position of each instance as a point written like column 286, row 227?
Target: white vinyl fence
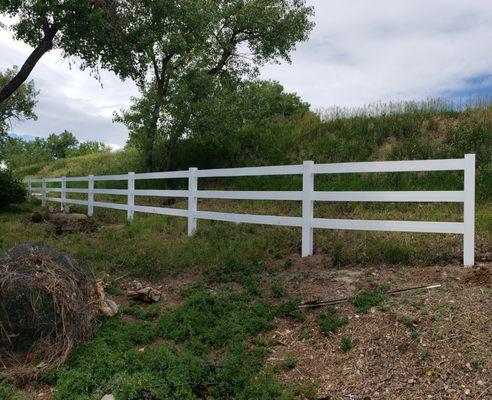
column 308, row 196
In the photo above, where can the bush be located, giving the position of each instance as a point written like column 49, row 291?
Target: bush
column 11, row 189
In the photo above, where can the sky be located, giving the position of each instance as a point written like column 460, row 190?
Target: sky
column 360, row 52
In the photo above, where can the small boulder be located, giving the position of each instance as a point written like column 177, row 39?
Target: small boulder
column 147, row 294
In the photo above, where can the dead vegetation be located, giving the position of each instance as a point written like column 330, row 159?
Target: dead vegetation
column 47, row 304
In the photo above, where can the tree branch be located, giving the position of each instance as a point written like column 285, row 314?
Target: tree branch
column 45, row 45
column 226, row 54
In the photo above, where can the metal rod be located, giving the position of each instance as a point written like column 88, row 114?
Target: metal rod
column 315, row 304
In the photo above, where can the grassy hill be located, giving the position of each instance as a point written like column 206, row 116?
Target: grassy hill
column 408, row 133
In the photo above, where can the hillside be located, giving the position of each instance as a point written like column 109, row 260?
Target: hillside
column 409, row 134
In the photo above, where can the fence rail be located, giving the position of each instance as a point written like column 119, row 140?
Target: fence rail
column 307, row 196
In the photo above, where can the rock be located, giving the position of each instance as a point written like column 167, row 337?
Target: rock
column 108, row 397
column 36, row 217
column 147, row 294
column 136, row 285
column 106, row 306
column 113, row 306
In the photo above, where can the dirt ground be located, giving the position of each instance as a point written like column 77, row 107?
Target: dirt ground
column 430, row 344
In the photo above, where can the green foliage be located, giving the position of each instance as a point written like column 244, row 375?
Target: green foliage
column 9, row 392
column 11, row 189
column 125, row 359
column 190, row 51
column 329, row 321
column 277, row 289
column 397, row 253
column 150, row 312
column 80, row 28
column 232, row 124
column 339, row 257
column 215, row 320
column 346, row 344
column 60, row 145
column 19, row 106
column 19, row 153
column 290, row 309
column 365, row 300
column 286, row 364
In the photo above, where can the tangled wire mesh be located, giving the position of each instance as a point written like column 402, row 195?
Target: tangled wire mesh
column 47, row 303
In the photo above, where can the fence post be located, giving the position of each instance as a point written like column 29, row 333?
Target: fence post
column 307, row 208
column 131, row 195
column 29, row 188
column 192, row 200
column 63, row 192
column 90, row 196
column 43, row 192
column 469, row 212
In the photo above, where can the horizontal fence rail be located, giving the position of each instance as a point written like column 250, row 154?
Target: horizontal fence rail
column 307, row 196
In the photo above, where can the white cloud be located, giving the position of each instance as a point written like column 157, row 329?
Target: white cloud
column 365, row 51
column 359, row 52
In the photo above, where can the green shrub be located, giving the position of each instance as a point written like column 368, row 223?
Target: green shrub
column 12, row 190
column 363, row 301
column 330, row 321
column 346, row 344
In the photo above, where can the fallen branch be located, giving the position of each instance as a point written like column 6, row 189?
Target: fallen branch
column 316, row 304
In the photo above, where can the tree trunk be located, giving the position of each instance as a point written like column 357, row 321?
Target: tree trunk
column 44, row 46
column 171, row 145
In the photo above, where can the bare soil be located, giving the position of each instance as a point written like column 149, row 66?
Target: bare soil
column 430, row 344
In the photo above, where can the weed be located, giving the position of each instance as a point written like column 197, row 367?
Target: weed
column 397, row 253
column 409, row 322
column 297, row 279
column 9, row 392
column 286, row 364
column 415, row 335
column 290, row 308
column 339, row 257
column 277, row 289
column 437, row 335
column 364, row 300
column 444, row 309
column 346, row 344
column 330, row 322
column 148, row 313
column 306, row 335
column 425, row 355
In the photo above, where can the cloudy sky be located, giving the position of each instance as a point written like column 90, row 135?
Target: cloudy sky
column 360, row 52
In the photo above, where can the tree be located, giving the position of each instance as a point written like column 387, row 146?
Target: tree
column 80, row 28
column 191, row 47
column 19, row 106
column 18, row 152
column 237, row 126
column 12, row 190
column 60, row 145
column 90, row 147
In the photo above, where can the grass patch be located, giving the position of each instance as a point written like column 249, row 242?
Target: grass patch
column 329, row 321
column 365, row 300
column 204, row 349
column 9, row 392
column 286, row 364
column 346, row 344
column 144, row 313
